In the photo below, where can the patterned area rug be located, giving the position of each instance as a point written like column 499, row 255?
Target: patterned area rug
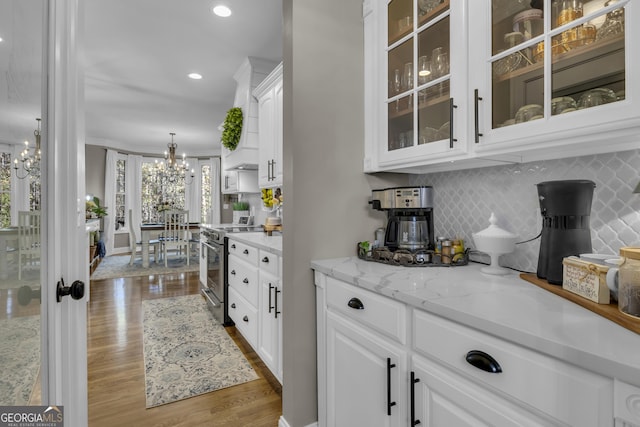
column 118, row 266
column 187, row 352
column 19, row 359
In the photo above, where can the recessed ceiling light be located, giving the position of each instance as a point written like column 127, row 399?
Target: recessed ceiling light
column 222, row 11
column 195, row 76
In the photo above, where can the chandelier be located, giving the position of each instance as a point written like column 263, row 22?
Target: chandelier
column 172, row 172
column 30, row 161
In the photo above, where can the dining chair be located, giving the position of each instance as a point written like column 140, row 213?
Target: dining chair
column 134, row 243
column 176, row 233
column 28, row 239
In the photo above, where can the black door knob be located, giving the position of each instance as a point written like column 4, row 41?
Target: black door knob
column 76, row 290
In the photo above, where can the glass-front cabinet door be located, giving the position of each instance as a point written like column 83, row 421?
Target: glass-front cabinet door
column 551, row 73
column 420, row 84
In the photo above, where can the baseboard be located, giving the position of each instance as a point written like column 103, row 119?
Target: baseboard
column 283, row 423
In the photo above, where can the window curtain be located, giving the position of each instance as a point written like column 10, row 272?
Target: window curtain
column 133, row 188
column 192, row 193
column 110, row 200
column 19, row 189
column 215, row 190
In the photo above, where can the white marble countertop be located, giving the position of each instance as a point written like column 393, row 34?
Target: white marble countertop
column 260, row 240
column 505, row 306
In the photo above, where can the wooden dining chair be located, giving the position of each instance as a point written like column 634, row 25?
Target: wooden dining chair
column 28, row 239
column 176, row 233
column 134, row 243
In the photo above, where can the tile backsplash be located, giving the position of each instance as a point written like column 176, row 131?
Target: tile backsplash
column 465, row 199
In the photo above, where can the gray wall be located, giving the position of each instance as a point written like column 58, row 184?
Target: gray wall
column 95, row 158
column 327, row 194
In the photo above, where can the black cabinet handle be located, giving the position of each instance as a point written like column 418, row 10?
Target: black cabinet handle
column 414, row 380
column 265, row 259
column 245, row 318
column 245, row 281
column 356, row 304
column 389, row 402
column 484, row 361
column 271, row 287
column 233, row 246
column 452, row 106
column 477, row 99
column 233, row 305
column 246, row 252
column 232, row 272
column 276, row 304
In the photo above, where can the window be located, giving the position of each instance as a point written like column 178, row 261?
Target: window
column 205, row 199
column 158, row 195
column 121, row 206
column 5, row 190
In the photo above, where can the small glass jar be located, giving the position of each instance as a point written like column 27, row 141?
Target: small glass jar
column 629, row 282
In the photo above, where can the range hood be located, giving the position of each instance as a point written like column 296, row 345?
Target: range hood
column 248, row 77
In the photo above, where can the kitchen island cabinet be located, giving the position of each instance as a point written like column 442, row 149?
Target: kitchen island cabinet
column 502, row 98
column 560, row 364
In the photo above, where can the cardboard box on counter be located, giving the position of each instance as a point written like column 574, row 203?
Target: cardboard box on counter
column 585, row 279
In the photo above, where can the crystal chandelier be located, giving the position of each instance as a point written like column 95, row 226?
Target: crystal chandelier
column 173, row 172
column 30, row 161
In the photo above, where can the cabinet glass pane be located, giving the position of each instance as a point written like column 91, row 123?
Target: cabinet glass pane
column 587, row 58
column 433, row 80
column 400, row 113
column 400, row 72
column 400, row 19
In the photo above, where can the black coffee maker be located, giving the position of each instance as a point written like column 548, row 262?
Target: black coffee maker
column 410, row 217
column 566, row 211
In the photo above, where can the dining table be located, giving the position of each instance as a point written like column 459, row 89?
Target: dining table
column 8, row 237
column 150, row 231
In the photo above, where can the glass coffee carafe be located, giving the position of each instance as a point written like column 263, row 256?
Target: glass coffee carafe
column 413, row 233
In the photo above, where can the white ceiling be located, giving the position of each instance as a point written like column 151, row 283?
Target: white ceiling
column 137, row 54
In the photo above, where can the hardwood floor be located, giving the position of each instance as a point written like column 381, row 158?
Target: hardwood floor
column 116, row 367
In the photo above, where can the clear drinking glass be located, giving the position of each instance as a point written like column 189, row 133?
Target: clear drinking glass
column 440, row 64
column 397, row 81
column 407, row 81
column 424, row 70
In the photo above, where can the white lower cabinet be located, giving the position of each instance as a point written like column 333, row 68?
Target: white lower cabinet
column 255, row 301
column 441, row 373
column 365, row 377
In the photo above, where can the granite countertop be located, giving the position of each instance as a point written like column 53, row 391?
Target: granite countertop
column 505, row 306
column 260, row 240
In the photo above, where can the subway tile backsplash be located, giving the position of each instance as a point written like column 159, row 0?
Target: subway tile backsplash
column 465, row 199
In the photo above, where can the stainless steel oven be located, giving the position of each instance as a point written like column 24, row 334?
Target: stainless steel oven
column 214, row 290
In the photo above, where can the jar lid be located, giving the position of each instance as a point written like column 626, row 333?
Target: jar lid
column 631, row 253
column 494, row 231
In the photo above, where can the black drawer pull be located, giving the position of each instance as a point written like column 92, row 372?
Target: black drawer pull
column 356, row 304
column 232, row 272
column 233, row 246
column 265, row 259
column 246, row 252
column 233, row 305
column 245, row 281
column 484, row 361
column 390, row 404
column 245, row 318
column 414, row 380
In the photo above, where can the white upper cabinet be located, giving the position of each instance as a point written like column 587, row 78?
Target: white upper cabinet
column 269, row 96
column 458, row 84
column 575, row 98
column 415, row 83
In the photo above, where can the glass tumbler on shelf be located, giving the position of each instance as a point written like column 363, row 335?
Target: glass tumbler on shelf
column 424, row 70
column 397, row 81
column 407, row 80
column 613, row 25
column 441, row 64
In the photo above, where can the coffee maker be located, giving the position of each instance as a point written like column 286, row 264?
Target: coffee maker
column 566, row 209
column 410, row 217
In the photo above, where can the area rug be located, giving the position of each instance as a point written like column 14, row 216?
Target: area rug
column 187, row 352
column 19, row 359
column 116, row 266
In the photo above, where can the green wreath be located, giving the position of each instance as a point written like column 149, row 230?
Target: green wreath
column 231, row 128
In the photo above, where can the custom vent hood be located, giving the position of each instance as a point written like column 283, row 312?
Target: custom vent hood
column 249, row 75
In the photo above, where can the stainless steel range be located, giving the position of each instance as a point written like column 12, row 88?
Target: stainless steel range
column 214, row 290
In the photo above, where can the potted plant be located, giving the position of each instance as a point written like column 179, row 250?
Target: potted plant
column 240, row 209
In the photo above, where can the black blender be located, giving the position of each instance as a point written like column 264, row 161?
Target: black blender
column 566, row 209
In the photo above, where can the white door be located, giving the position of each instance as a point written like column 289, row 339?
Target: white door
column 46, row 339
column 64, row 379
